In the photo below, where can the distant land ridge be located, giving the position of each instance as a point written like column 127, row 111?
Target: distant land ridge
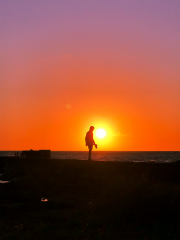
column 41, row 154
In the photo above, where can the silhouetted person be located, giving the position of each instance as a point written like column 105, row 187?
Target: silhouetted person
column 90, row 141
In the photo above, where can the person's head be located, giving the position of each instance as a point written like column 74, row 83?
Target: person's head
column 91, row 128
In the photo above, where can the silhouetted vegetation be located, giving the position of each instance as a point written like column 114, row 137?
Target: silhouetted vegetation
column 89, row 200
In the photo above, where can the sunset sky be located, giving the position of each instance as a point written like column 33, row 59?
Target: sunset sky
column 68, row 64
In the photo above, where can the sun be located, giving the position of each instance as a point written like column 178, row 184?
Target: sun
column 100, row 133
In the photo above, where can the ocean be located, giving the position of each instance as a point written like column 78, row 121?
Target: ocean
column 117, row 156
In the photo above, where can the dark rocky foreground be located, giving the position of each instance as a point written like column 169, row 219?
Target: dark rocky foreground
column 89, row 200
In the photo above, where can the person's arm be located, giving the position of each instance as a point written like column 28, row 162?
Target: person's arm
column 94, row 144
column 93, row 139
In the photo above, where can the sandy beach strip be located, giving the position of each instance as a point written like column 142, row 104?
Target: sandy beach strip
column 89, row 200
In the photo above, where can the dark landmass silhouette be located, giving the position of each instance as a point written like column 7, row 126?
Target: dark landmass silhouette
column 71, row 199
column 42, row 154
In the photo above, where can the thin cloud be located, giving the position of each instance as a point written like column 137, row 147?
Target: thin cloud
column 119, row 134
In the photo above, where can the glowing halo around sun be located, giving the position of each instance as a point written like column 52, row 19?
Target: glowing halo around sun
column 100, row 133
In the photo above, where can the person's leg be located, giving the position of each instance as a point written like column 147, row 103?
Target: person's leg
column 90, row 150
